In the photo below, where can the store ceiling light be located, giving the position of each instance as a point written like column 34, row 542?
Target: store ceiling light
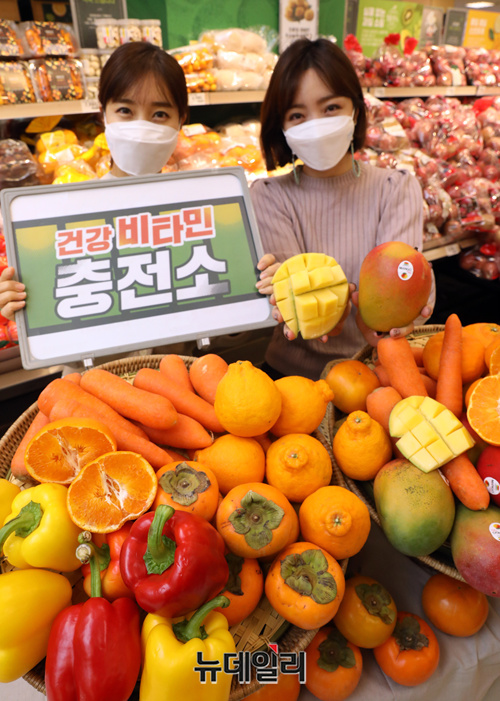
column 479, row 5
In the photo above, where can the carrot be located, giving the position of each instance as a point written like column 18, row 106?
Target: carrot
column 466, row 483
column 381, row 402
column 430, row 384
column 174, row 368
column 206, row 373
column 382, row 375
column 75, row 377
column 397, row 358
column 156, row 456
column 184, row 401
column 449, row 381
column 17, row 466
column 187, row 433
column 128, row 400
column 62, row 389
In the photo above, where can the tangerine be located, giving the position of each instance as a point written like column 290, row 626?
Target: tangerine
column 361, row 446
column 62, row 448
column 297, row 464
column 233, row 460
column 488, row 351
column 115, row 488
column 303, row 404
column 473, row 353
column 351, row 382
column 483, row 331
column 494, row 361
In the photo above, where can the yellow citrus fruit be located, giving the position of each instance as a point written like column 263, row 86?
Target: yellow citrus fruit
column 361, row 446
column 297, row 464
column 234, row 460
column 303, row 404
column 247, row 401
column 62, row 448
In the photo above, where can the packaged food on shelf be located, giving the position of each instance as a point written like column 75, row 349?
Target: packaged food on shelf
column 49, row 39
column 201, row 82
column 91, row 63
column 92, row 85
column 75, row 172
column 18, row 167
column 235, row 39
column 482, row 260
column 195, row 58
column 11, row 43
column 16, row 86
column 129, row 30
column 478, row 66
column 151, row 31
column 57, row 79
column 227, row 79
column 362, row 64
column 384, row 131
column 448, row 63
column 107, row 33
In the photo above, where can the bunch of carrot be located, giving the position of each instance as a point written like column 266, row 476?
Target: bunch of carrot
column 161, row 410
column 401, row 372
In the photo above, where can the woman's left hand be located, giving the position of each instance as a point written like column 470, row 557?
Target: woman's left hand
column 373, row 337
column 337, row 329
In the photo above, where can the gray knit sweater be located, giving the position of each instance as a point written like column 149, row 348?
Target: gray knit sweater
column 345, row 217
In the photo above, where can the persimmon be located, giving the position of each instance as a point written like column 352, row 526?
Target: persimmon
column 188, row 486
column 473, row 363
column 454, row 607
column 410, row 655
column 244, row 588
column 333, row 665
column 287, row 688
column 351, row 382
column 305, row 585
column 256, row 520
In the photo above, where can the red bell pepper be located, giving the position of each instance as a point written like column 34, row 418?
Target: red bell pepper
column 107, row 549
column 173, row 561
column 94, row 650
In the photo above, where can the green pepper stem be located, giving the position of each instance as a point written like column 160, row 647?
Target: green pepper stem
column 193, row 627
column 157, row 548
column 27, row 520
column 86, row 553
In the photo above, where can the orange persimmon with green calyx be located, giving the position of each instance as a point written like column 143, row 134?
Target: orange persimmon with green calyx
column 333, row 665
column 244, row 588
column 351, row 382
column 454, row 607
column 256, row 520
column 188, row 486
column 297, row 464
column 367, row 614
column 305, row 585
column 410, row 655
column 336, row 519
column 303, row 404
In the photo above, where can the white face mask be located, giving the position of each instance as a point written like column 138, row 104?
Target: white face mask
column 321, row 143
column 139, row 147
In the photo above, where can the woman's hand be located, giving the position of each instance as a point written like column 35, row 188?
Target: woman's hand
column 373, row 337
column 268, row 266
column 340, row 325
column 12, row 294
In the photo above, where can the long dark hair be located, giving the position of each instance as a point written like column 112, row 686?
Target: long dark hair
column 333, row 67
column 132, row 63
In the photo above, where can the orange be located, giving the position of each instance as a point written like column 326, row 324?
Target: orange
column 62, row 448
column 115, row 488
column 483, row 331
column 494, row 361
column 335, row 519
column 188, row 486
column 351, row 382
column 303, row 404
column 488, row 351
column 297, row 464
column 469, row 390
column 483, row 410
column 473, row 365
column 361, row 446
column 233, row 460
column 247, row 401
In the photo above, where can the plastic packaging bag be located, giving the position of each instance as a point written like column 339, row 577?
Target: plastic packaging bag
column 18, row 168
column 49, row 39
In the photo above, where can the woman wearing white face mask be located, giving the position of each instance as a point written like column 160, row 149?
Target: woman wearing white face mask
column 144, row 102
column 314, row 111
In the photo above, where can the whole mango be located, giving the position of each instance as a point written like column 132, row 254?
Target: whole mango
column 395, row 281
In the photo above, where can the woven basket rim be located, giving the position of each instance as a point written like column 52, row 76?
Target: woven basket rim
column 294, row 639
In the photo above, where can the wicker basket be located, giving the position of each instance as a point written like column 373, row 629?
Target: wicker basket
column 264, row 625
column 441, row 560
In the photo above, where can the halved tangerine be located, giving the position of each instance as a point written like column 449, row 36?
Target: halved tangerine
column 115, row 488
column 62, row 448
column 488, row 351
column 494, row 364
column 483, row 412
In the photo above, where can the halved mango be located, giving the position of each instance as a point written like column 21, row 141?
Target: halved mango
column 311, row 292
column 430, row 435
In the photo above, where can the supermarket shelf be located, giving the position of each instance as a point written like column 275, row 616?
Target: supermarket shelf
column 448, row 91
column 46, row 109
column 445, row 247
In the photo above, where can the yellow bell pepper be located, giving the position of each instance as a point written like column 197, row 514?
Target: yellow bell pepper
column 30, row 601
column 8, row 490
column 170, row 655
column 39, row 531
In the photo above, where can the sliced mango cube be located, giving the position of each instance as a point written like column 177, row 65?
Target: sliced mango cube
column 429, row 434
column 311, row 292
